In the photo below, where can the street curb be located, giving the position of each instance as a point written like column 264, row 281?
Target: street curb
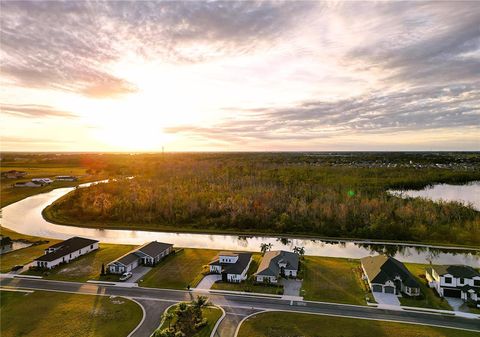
column 143, row 318
column 214, row 330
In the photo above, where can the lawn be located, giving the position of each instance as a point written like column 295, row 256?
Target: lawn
column 181, row 269
column 429, row 298
column 59, row 314
column 212, row 314
column 332, row 280
column 281, row 324
column 25, row 255
column 249, row 285
column 87, row 267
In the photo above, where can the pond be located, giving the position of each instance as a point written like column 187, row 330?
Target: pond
column 468, row 194
column 25, row 217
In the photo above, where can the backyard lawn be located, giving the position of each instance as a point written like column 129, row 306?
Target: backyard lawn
column 87, row 267
column 332, row 280
column 24, row 255
column 249, row 285
column 212, row 314
column 179, row 270
column 429, row 298
column 280, row 324
column 59, row 314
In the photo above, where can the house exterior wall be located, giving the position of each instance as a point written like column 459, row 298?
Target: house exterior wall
column 119, row 268
column 265, row 278
column 66, row 258
column 228, row 259
column 291, row 272
column 215, row 269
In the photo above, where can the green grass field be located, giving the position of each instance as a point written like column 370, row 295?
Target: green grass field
column 22, row 256
column 249, row 285
column 180, row 269
column 429, row 298
column 332, row 280
column 58, row 314
column 281, row 324
column 212, row 314
column 87, row 267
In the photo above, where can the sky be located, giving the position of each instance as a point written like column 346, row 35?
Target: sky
column 239, row 76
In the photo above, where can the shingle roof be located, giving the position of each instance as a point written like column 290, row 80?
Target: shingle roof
column 269, row 264
column 456, row 271
column 127, row 259
column 382, row 268
column 66, row 247
column 233, row 268
column 154, row 248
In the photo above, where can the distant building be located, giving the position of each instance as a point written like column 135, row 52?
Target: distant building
column 65, row 251
column 14, row 174
column 232, row 266
column 28, row 184
column 66, row 178
column 455, row 281
column 276, row 264
column 388, row 275
column 149, row 255
column 45, row 181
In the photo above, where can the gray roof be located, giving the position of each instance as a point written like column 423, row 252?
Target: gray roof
column 269, row 265
column 382, row 268
column 456, row 271
column 127, row 259
column 66, row 247
column 154, row 248
column 233, row 268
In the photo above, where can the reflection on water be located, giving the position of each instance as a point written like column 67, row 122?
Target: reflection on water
column 467, row 194
column 25, row 217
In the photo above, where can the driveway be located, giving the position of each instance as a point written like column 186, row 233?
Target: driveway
column 389, row 299
column 455, row 303
column 138, row 273
column 291, row 287
column 208, row 281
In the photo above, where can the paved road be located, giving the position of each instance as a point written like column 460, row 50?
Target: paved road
column 228, row 302
column 153, row 312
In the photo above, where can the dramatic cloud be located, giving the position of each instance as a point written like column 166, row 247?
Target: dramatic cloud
column 36, row 111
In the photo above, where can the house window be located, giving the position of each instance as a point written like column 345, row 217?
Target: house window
column 91, row 246
column 448, row 280
column 476, row 283
column 461, row 280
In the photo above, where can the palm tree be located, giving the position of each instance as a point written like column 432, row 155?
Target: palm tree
column 299, row 250
column 264, row 247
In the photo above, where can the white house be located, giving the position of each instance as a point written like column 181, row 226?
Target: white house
column 455, row 281
column 232, row 266
column 44, row 181
column 65, row 251
column 149, row 254
column 275, row 264
column 66, row 178
column 388, row 275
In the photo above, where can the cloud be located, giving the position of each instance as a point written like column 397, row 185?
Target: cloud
column 32, row 110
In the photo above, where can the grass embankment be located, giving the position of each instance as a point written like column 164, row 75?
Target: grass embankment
column 211, row 313
column 58, row 314
column 280, row 324
column 179, row 270
column 24, row 255
column 429, row 297
column 9, row 194
column 332, row 280
column 249, row 285
column 87, row 267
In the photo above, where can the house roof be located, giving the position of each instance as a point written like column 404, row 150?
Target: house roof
column 66, row 247
column 269, row 264
column 233, row 268
column 456, row 271
column 127, row 259
column 382, row 268
column 154, row 248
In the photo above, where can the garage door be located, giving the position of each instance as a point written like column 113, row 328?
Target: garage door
column 389, row 290
column 452, row 293
column 377, row 289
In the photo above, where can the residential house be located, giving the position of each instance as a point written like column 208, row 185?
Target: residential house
column 14, row 174
column 388, row 275
column 44, row 181
column 66, row 178
column 232, row 266
column 65, row 251
column 276, row 264
column 28, row 184
column 149, row 254
column 455, row 281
